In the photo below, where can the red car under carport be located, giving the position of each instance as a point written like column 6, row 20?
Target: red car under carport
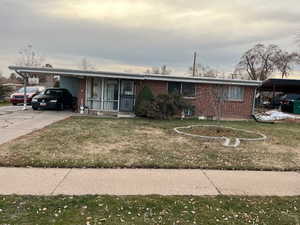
column 18, row 97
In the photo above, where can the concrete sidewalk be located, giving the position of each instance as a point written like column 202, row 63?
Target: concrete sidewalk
column 37, row 181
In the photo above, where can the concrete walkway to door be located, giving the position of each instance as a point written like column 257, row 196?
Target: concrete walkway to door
column 14, row 122
column 37, row 181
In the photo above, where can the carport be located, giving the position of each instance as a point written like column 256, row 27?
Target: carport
column 275, row 85
column 68, row 80
column 281, row 85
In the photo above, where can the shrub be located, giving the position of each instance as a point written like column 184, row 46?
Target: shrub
column 166, row 106
column 4, row 91
column 143, row 100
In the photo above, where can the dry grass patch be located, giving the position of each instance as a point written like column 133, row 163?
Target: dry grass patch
column 141, row 143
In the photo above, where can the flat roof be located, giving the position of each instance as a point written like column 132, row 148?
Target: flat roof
column 281, row 85
column 133, row 76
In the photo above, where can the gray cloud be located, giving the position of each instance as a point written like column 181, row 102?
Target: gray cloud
column 219, row 30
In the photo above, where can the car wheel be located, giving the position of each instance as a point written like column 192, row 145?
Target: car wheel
column 34, row 108
column 62, row 107
column 14, row 103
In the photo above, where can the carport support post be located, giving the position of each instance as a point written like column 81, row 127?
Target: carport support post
column 25, row 78
column 25, row 92
column 273, row 99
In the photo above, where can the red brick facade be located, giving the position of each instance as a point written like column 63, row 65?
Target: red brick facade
column 205, row 100
column 157, row 87
column 81, row 96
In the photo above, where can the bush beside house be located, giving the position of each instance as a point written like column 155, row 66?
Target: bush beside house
column 144, row 98
column 164, row 106
column 4, row 92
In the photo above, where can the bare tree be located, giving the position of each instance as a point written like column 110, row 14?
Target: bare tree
column 204, row 71
column 258, row 62
column 163, row 70
column 284, row 62
column 85, row 64
column 155, row 70
column 2, row 78
column 29, row 57
column 218, row 95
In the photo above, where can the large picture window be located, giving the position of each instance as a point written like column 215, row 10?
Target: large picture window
column 184, row 89
column 235, row 93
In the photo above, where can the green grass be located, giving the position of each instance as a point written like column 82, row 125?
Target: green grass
column 4, row 103
column 142, row 143
column 112, row 210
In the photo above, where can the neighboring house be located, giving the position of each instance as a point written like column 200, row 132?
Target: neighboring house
column 47, row 80
column 116, row 92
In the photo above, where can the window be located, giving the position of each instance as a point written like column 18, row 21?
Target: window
column 54, row 92
column 190, row 111
column 28, row 90
column 127, row 87
column 235, row 93
column 188, row 90
column 184, row 89
column 174, row 88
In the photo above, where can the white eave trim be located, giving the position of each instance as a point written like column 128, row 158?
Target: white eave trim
column 79, row 73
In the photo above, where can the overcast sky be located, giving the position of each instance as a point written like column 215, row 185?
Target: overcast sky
column 138, row 34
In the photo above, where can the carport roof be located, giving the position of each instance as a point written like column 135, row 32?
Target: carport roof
column 133, row 76
column 281, row 85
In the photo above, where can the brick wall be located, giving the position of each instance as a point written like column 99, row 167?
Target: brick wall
column 157, row 87
column 205, row 101
column 81, row 96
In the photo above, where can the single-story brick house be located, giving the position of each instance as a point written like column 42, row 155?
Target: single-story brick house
column 116, row 92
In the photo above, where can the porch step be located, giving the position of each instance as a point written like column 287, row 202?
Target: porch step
column 126, row 115
column 107, row 114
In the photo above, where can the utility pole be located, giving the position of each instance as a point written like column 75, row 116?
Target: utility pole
column 194, row 64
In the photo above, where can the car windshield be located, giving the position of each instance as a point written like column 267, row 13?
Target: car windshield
column 53, row 92
column 28, row 90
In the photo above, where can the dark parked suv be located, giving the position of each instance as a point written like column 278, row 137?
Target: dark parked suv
column 54, row 98
column 287, row 102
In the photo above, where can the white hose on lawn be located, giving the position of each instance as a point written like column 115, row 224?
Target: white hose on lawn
column 227, row 141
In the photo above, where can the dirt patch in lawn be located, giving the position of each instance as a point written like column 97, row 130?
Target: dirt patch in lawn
column 212, row 131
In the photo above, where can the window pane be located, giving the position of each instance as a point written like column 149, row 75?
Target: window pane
column 96, row 88
column 127, row 87
column 174, row 88
column 235, row 93
column 188, row 90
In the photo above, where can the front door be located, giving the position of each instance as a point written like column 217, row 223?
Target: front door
column 111, row 95
column 127, row 97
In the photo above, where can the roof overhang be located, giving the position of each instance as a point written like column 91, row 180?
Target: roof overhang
column 281, row 85
column 131, row 76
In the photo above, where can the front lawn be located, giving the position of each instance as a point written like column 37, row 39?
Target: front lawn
column 112, row 210
column 4, row 103
column 142, row 143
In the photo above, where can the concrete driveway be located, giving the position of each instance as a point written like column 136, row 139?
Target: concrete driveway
column 14, row 122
